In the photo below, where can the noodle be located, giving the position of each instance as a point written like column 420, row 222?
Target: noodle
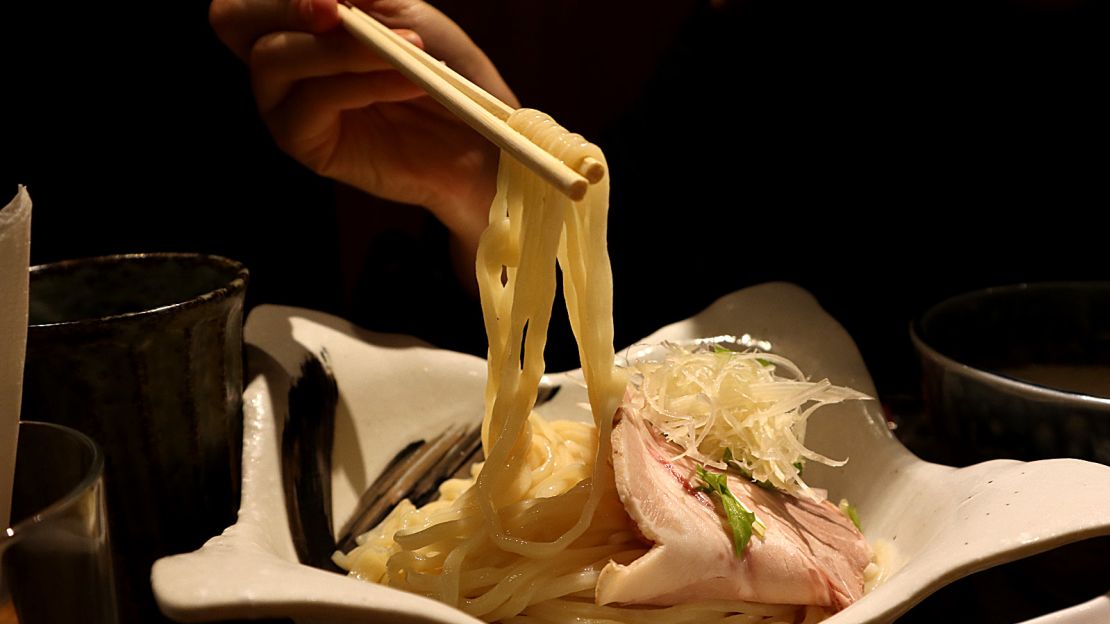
column 526, row 537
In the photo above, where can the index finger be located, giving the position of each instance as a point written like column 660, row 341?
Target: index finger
column 239, row 23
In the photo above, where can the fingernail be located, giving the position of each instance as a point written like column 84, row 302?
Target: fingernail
column 410, row 36
column 320, row 15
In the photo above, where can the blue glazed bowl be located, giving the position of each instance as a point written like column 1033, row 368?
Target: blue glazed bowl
column 1019, row 371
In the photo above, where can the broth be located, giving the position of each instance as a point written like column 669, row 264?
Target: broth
column 1093, row 379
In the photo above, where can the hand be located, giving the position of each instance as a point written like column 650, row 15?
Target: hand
column 335, row 106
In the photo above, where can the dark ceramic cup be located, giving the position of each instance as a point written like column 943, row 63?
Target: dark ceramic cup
column 55, row 559
column 143, row 353
column 1019, row 371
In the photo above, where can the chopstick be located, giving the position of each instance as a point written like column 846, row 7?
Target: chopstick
column 471, row 103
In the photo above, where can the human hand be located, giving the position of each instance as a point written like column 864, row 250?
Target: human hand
column 339, row 109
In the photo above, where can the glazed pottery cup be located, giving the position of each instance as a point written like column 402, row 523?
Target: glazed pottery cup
column 1019, row 371
column 143, row 353
column 55, row 559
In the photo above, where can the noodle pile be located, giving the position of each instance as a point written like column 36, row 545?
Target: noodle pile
column 526, row 537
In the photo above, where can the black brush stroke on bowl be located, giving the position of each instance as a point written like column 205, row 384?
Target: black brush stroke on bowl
column 416, row 472
column 306, row 450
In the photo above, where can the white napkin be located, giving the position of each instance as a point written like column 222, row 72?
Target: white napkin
column 15, row 257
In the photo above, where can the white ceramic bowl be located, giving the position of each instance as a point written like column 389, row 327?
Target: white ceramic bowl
column 944, row 522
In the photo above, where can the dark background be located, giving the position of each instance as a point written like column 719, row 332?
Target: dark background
column 884, row 155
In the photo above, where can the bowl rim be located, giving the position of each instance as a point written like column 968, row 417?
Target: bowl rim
column 1013, row 384
column 237, row 273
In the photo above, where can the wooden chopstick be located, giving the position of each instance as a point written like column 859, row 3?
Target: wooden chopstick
column 469, row 102
column 590, row 168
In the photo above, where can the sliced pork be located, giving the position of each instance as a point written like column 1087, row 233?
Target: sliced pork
column 811, row 554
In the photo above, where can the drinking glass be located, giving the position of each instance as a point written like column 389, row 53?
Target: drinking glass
column 55, row 558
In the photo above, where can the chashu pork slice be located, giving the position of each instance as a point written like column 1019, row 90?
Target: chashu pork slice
column 811, row 554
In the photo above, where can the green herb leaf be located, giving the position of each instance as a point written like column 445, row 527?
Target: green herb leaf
column 848, row 510
column 800, row 466
column 764, row 363
column 719, row 349
column 740, row 519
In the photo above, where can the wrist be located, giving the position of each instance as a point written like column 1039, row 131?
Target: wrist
column 466, row 220
column 464, row 211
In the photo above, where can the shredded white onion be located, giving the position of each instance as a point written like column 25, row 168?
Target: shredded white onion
column 751, row 406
